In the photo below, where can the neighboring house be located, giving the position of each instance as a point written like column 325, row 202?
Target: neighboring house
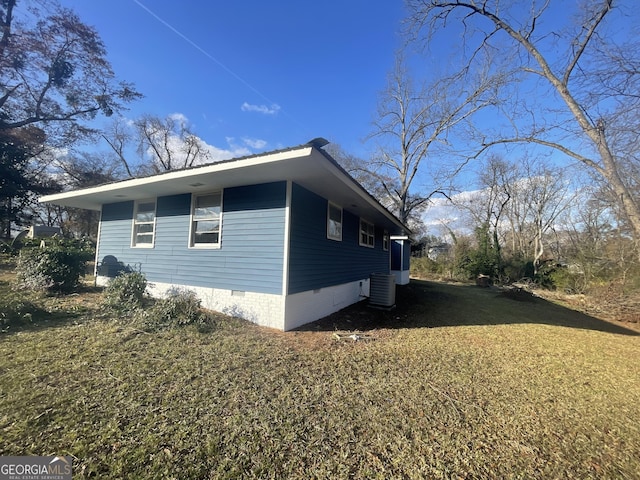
column 437, row 251
column 36, row 231
column 281, row 238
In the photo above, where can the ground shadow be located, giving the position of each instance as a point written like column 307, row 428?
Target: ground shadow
column 434, row 304
column 42, row 311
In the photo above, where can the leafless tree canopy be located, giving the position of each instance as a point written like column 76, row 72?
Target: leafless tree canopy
column 169, row 143
column 574, row 79
column 413, row 123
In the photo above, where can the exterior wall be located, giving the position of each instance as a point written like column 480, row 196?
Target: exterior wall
column 252, row 242
column 305, row 307
column 317, row 262
column 402, row 276
column 261, row 308
column 245, row 276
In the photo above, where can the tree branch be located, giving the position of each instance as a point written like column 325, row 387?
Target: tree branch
column 585, row 41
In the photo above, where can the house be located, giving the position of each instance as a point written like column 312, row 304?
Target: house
column 281, row 238
column 36, row 231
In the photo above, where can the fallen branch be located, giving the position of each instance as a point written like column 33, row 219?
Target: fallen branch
column 454, row 400
column 356, row 337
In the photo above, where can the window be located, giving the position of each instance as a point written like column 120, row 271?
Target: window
column 144, row 221
column 385, row 241
column 205, row 220
column 367, row 234
column 334, row 222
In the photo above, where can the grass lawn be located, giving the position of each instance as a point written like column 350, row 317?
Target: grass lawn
column 457, row 382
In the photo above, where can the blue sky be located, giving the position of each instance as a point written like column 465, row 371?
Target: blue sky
column 253, row 74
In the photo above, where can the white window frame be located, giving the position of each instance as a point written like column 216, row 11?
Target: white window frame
column 193, row 221
column 385, row 241
column 329, row 234
column 369, row 232
column 135, row 223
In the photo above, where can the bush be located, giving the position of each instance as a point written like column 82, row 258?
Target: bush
column 179, row 308
column 125, row 292
column 568, row 281
column 16, row 312
column 425, row 267
column 57, row 266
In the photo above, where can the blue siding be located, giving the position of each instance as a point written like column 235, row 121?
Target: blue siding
column 252, row 241
column 315, row 261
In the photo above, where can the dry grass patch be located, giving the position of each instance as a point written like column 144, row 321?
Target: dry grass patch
column 457, row 382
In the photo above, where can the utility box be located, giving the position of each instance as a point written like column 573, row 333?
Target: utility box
column 382, row 290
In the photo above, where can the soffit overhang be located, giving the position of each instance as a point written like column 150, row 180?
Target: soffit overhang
column 306, row 165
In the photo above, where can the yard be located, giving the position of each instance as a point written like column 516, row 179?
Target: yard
column 457, row 382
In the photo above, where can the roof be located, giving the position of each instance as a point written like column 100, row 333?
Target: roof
column 307, row 165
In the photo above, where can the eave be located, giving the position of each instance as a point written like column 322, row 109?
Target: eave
column 306, row 165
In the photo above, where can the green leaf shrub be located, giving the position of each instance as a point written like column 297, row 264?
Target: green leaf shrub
column 56, row 266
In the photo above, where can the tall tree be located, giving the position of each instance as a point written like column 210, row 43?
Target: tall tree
column 54, row 78
column 18, row 181
column 413, row 122
column 488, row 205
column 574, row 78
column 543, row 194
column 169, row 143
column 119, row 136
column 54, row 73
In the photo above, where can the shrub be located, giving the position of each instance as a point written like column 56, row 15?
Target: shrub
column 517, row 269
column 569, row 280
column 10, row 248
column 424, row 267
column 125, row 292
column 16, row 312
column 180, row 307
column 57, row 266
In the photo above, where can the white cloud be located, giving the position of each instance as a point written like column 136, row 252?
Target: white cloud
column 216, row 154
column 255, row 143
column 441, row 211
column 180, row 118
column 267, row 110
column 208, row 153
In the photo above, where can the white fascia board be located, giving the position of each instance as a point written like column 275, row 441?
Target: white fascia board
column 89, row 198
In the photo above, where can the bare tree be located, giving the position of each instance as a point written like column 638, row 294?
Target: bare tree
column 169, row 143
column 573, row 89
column 119, row 137
column 412, row 123
column 150, row 144
column 544, row 194
column 488, row 205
